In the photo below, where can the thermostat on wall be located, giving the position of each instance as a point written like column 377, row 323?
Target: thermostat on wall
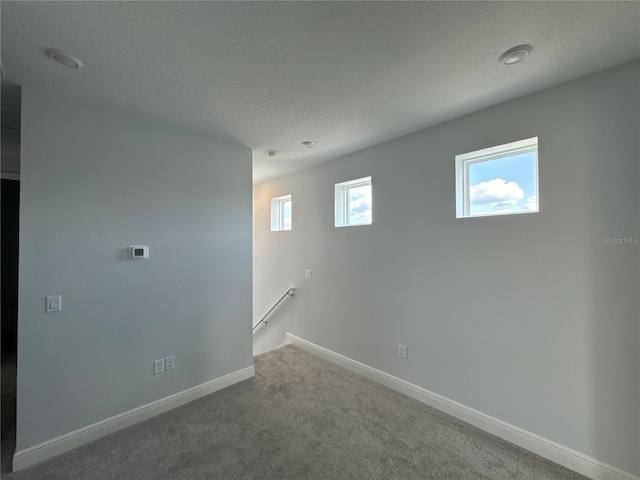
column 139, row 251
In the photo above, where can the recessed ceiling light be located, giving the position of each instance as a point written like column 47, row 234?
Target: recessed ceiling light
column 272, row 153
column 515, row 54
column 308, row 144
column 64, row 58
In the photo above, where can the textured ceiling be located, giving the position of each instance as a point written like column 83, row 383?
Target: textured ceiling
column 348, row 75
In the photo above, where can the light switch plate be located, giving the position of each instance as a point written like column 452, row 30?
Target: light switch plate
column 402, row 351
column 308, row 273
column 158, row 366
column 54, row 303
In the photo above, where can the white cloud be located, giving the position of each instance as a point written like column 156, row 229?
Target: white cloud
column 531, row 205
column 496, row 193
column 360, row 206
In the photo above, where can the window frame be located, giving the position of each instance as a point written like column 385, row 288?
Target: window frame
column 465, row 160
column 342, row 189
column 277, row 213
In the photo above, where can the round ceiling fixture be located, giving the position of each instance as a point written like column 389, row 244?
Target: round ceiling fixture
column 308, row 144
column 64, row 58
column 515, row 54
column 272, row 153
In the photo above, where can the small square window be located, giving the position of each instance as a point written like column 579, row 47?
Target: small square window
column 499, row 180
column 353, row 203
column 281, row 213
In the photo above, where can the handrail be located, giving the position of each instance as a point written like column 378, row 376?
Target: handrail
column 289, row 292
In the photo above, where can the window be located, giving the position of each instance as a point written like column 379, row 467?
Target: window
column 281, row 213
column 499, row 180
column 353, row 203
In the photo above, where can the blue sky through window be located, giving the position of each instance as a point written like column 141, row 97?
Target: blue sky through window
column 286, row 215
column 505, row 185
column 359, row 207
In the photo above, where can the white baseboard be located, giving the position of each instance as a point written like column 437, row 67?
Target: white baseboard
column 567, row 457
column 55, row 446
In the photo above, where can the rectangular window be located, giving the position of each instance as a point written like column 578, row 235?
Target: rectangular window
column 281, row 213
column 353, row 203
column 499, row 180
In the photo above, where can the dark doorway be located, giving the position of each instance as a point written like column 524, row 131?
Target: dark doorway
column 10, row 207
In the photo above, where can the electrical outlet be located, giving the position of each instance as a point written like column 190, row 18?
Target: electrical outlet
column 170, row 363
column 402, row 351
column 308, row 273
column 158, row 366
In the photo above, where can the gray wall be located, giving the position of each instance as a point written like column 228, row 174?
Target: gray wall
column 528, row 318
column 94, row 182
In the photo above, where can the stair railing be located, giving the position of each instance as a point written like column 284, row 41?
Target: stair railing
column 289, row 293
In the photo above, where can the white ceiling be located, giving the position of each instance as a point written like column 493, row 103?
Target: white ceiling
column 348, row 75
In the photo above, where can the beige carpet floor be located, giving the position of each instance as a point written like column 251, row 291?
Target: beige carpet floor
column 301, row 417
